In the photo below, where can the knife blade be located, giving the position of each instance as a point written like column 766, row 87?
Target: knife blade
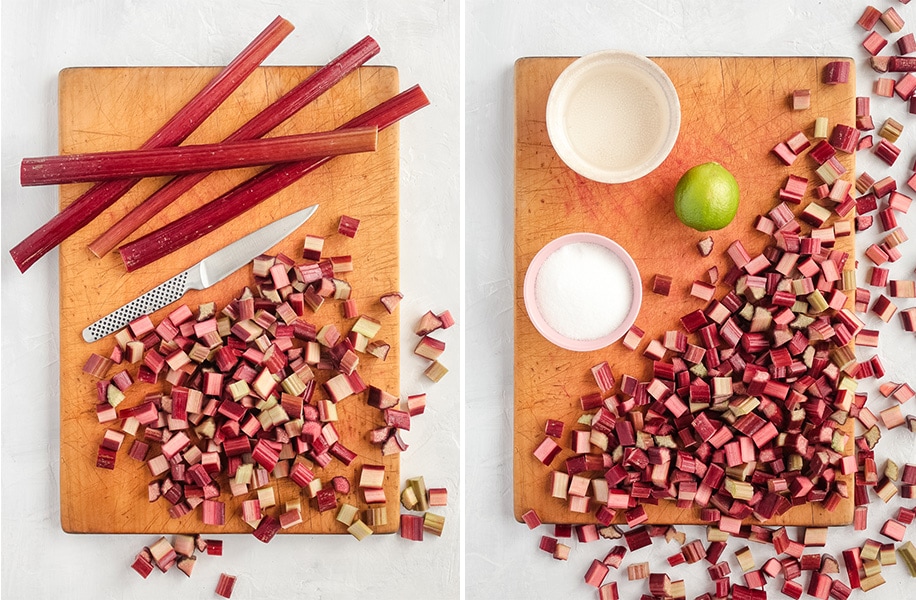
column 210, row 270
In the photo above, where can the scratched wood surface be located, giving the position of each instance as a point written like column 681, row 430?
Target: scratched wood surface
column 118, row 108
column 734, row 110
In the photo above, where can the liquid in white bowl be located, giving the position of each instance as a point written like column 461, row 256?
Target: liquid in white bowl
column 613, row 116
column 617, row 118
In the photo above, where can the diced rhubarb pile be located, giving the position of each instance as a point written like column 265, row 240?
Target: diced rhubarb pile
column 751, row 404
column 250, row 396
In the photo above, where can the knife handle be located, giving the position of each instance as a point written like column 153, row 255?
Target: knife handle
column 162, row 295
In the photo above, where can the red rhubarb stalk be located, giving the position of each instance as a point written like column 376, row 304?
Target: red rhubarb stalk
column 91, row 204
column 250, row 193
column 301, row 95
column 173, row 160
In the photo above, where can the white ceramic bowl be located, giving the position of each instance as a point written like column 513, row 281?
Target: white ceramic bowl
column 613, row 116
column 541, row 324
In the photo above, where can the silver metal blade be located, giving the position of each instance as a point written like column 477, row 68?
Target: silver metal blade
column 239, row 253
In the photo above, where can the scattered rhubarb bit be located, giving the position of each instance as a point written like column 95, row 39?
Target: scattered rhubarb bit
column 907, row 552
column 603, row 377
column 890, row 130
column 435, row 371
column 429, row 347
column 661, row 284
column 433, row 523
column 901, row 64
column 225, row 585
column 632, row 338
column 874, row 43
column 705, row 246
column 884, row 87
column 801, row 99
column 869, row 18
column 836, row 72
column 638, row 571
column 447, row 319
column 312, row 247
column 347, row 226
column 391, row 300
column 143, row 564
column 359, row 530
column 411, row 527
column 892, row 20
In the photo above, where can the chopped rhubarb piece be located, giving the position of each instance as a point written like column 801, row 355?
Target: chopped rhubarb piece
column 312, row 247
column 435, row 371
column 836, row 72
column 784, row 153
column 561, row 552
column 603, row 377
column 887, row 152
column 428, row 323
column 661, row 284
column 359, row 530
column 801, row 99
column 908, row 553
column 884, row 187
column 596, row 573
column 844, row 138
column 267, row 529
column 225, row 585
column 411, row 527
column 608, row 591
column 347, row 226
column 884, row 87
column 430, row 348
column 869, row 18
column 378, row 348
column 547, row 450
column 892, row 20
column 901, row 64
column 391, row 300
column 905, row 87
column 447, row 319
column 632, row 338
column 143, row 564
column 637, row 538
column 874, row 43
column 638, row 571
column 705, row 246
column 554, row 428
column 891, row 130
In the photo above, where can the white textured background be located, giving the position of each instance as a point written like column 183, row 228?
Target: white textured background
column 41, row 37
column 502, row 556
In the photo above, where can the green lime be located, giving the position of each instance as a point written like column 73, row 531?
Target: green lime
column 706, row 197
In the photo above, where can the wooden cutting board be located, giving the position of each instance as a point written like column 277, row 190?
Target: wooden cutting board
column 734, row 110
column 118, row 108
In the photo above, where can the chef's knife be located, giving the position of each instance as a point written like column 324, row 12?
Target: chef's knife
column 202, row 275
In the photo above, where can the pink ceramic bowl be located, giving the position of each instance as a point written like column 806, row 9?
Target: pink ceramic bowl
column 549, row 332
